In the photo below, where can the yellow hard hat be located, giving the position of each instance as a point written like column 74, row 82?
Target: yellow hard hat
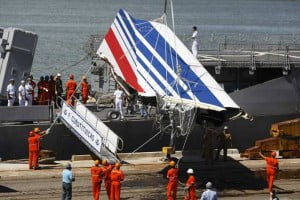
column 172, row 163
column 104, row 162
column 118, row 165
column 36, row 130
column 97, row 162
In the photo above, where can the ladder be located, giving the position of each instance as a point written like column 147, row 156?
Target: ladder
column 98, row 137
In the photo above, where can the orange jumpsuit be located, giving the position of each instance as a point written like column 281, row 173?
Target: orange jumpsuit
column 172, row 175
column 272, row 166
column 116, row 176
column 191, row 195
column 107, row 170
column 52, row 95
column 97, row 173
column 34, row 145
column 46, row 94
column 41, row 92
column 70, row 90
column 84, row 91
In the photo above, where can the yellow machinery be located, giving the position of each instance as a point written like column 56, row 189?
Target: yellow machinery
column 285, row 139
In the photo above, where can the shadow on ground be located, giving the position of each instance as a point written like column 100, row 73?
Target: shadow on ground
column 4, row 189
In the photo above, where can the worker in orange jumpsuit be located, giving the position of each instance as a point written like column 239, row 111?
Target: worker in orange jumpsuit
column 52, row 95
column 84, row 89
column 97, row 175
column 107, row 168
column 71, row 86
column 116, row 176
column 34, row 147
column 271, row 169
column 172, row 175
column 190, row 189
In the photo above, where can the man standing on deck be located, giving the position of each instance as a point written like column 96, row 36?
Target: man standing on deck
column 52, row 95
column 116, row 176
column 32, row 83
column 195, row 43
column 190, row 188
column 271, row 169
column 29, row 92
column 224, row 141
column 71, row 86
column 58, row 89
column 11, row 92
column 119, row 96
column 67, row 179
column 22, row 93
column 84, row 89
column 107, row 168
column 34, row 147
column 97, row 175
column 172, row 175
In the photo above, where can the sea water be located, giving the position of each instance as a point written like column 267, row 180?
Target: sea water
column 64, row 26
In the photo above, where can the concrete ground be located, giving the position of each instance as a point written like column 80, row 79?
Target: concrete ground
column 144, row 178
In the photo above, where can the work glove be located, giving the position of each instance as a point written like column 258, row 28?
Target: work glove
column 47, row 130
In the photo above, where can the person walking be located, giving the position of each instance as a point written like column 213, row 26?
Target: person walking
column 34, row 147
column 119, row 96
column 67, row 179
column 107, row 168
column 58, row 89
column 209, row 194
column 71, row 86
column 97, row 175
column 172, row 175
column 272, row 165
column 190, row 189
column 29, row 91
column 116, row 176
column 195, row 43
column 11, row 92
column 22, row 93
column 84, row 89
column 223, row 142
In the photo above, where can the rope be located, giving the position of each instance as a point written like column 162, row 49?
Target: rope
column 74, row 64
column 146, row 142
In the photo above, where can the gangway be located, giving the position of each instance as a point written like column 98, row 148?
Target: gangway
column 98, row 137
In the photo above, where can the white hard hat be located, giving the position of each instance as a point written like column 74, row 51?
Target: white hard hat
column 58, row 74
column 208, row 185
column 22, row 81
column 225, row 127
column 190, row 171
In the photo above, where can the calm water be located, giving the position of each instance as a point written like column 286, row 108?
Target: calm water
column 64, row 26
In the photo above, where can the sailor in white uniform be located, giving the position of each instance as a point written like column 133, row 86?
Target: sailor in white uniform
column 22, row 93
column 11, row 92
column 195, row 43
column 119, row 95
column 28, row 93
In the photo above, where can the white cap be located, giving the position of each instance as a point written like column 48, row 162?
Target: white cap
column 225, row 127
column 58, row 74
column 190, row 171
column 22, row 81
column 208, row 185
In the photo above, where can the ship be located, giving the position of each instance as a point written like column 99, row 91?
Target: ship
column 267, row 92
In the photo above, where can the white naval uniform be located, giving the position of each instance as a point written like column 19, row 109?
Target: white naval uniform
column 119, row 101
column 22, row 93
column 11, row 90
column 195, row 43
column 28, row 91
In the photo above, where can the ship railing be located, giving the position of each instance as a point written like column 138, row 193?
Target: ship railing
column 110, row 140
